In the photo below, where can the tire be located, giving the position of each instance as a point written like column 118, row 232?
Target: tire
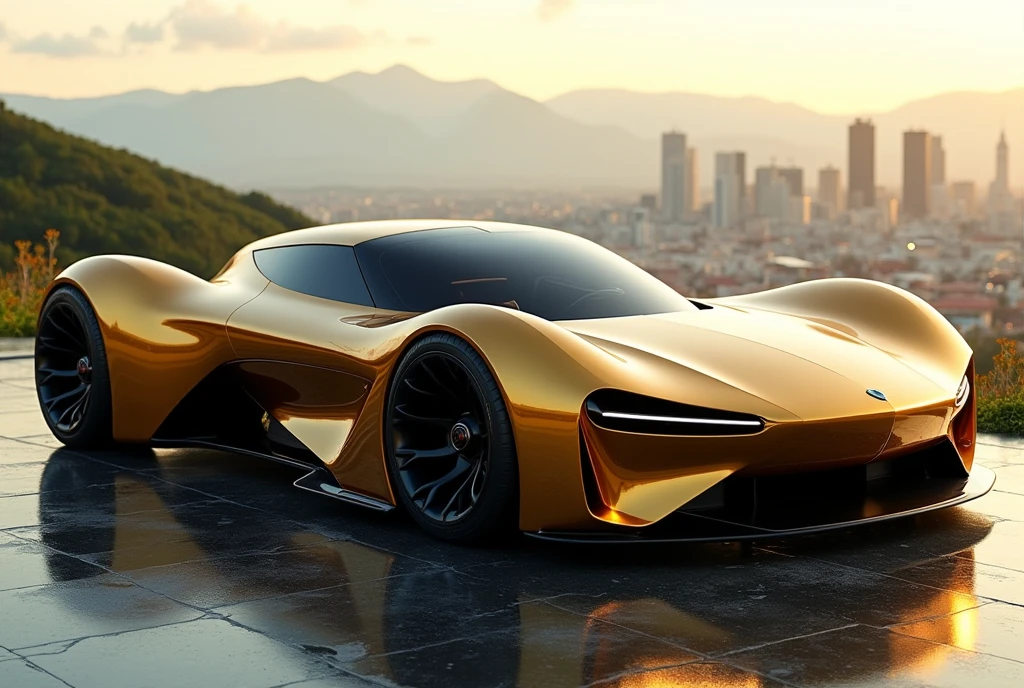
column 72, row 378
column 449, row 445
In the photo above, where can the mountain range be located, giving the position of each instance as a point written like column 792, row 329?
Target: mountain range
column 401, row 128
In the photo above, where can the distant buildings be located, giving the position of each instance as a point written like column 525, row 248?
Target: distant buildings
column 861, row 172
column 692, row 202
column 674, row 184
column 771, row 193
column 916, row 174
column 938, row 161
column 829, row 190
column 729, row 183
column 1000, row 200
column 963, row 199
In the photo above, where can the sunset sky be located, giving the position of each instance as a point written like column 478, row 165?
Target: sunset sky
column 833, row 56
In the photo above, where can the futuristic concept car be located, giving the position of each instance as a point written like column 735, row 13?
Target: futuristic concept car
column 483, row 375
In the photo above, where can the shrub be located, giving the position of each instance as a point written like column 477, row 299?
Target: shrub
column 21, row 291
column 1001, row 392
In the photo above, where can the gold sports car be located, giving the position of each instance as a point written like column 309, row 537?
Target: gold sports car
column 488, row 376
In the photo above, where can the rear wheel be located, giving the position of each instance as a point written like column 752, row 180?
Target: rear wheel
column 72, row 380
column 449, row 442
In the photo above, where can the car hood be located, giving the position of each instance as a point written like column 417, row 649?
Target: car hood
column 810, row 370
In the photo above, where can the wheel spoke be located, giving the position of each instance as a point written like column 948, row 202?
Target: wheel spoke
column 426, row 420
column 48, row 341
column 63, row 330
column 408, row 383
column 437, row 381
column 76, row 409
column 49, row 373
column 461, row 466
column 417, row 454
column 52, row 402
column 459, row 492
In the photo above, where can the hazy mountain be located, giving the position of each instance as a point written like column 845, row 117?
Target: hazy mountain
column 63, row 112
column 434, row 106
column 969, row 123
column 399, row 127
column 262, row 134
column 110, row 201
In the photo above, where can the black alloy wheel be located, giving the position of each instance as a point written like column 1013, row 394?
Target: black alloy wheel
column 449, row 442
column 72, row 381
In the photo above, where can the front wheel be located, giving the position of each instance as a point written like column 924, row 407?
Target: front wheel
column 72, row 379
column 448, row 437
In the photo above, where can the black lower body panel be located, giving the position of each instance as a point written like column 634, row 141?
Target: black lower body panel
column 795, row 505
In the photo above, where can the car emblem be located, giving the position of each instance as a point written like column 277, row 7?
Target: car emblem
column 877, row 394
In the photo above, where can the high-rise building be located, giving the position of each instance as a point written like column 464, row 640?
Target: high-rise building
column 741, row 172
column 692, row 203
column 673, row 176
column 649, row 201
column 794, row 176
column 1000, row 200
column 917, row 169
column 861, row 172
column 728, row 183
column 829, row 193
column 962, row 196
column 938, row 162
column 771, row 193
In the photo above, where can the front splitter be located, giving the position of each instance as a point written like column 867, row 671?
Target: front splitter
column 875, row 507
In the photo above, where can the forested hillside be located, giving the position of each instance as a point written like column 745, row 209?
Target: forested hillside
column 104, row 200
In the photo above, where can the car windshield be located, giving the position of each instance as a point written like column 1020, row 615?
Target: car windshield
column 551, row 274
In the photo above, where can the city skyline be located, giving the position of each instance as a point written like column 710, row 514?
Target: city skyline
column 179, row 45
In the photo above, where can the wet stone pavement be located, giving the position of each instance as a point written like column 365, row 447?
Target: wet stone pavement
column 198, row 568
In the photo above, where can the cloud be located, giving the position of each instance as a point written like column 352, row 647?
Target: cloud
column 549, row 10
column 202, row 24
column 289, row 38
column 144, row 33
column 3, row 32
column 66, row 46
column 419, row 40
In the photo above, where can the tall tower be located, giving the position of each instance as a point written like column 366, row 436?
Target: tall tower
column 917, row 171
column 861, row 172
column 829, row 189
column 728, row 168
column 673, row 176
column 692, row 204
column 1000, row 200
column 1003, row 162
column 938, row 163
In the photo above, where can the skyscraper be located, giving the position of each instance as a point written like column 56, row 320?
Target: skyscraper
column 728, row 168
column 1000, row 200
column 917, row 170
column 771, row 193
column 938, row 163
column 673, row 176
column 794, row 176
column 861, row 173
column 829, row 189
column 692, row 204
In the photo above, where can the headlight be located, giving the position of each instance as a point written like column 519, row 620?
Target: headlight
column 627, row 412
column 963, row 392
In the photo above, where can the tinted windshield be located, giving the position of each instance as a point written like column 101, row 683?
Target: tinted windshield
column 551, row 274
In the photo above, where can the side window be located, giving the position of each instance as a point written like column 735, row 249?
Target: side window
column 327, row 271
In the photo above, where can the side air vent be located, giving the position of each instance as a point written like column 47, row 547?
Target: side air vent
column 627, row 412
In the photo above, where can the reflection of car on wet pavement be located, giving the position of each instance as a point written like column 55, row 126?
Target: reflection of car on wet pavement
column 495, row 375
column 400, row 619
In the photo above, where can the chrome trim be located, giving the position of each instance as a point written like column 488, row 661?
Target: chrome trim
column 674, row 419
column 962, row 392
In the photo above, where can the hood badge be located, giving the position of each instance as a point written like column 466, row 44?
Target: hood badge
column 877, row 394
